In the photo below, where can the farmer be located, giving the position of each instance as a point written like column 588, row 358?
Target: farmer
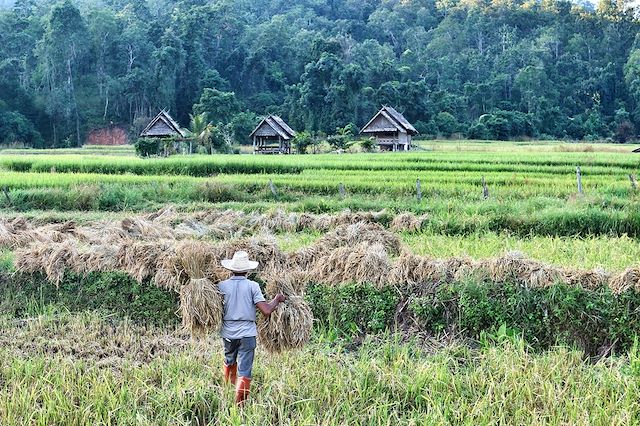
column 241, row 298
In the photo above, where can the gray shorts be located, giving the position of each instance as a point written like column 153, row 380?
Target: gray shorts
column 240, row 351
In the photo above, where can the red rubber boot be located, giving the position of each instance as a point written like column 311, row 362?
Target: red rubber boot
column 230, row 372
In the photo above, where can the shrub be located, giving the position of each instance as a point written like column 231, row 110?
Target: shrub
column 147, row 147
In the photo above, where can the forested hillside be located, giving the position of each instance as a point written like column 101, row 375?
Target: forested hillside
column 482, row 69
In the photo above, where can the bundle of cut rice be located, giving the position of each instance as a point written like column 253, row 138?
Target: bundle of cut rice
column 417, row 273
column 140, row 258
column 139, row 227
column 289, row 325
column 359, row 232
column 263, row 248
column 629, row 279
column 591, row 279
column 512, row 266
column 407, row 222
column 51, row 258
column 201, row 303
column 363, row 263
column 544, row 276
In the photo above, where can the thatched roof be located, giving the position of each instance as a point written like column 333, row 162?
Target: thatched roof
column 274, row 126
column 163, row 126
column 388, row 120
column 636, row 150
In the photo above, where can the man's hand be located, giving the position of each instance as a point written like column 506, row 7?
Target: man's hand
column 267, row 308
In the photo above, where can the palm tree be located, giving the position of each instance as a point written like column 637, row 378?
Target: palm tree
column 200, row 130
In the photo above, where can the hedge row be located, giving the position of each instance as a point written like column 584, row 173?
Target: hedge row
column 595, row 321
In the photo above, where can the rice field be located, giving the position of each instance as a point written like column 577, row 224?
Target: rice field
column 451, row 306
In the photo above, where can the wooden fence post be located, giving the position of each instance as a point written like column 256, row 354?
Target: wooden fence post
column 485, row 189
column 341, row 190
column 272, row 187
column 634, row 182
column 579, row 178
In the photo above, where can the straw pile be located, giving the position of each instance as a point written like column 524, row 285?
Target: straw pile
column 52, row 259
column 201, row 303
column 289, row 325
column 363, row 263
column 592, row 279
column 627, row 280
column 407, row 222
column 417, row 273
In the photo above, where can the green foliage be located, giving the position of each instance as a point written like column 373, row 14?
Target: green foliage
column 147, row 147
column 302, row 141
column 111, row 292
column 352, row 308
column 591, row 320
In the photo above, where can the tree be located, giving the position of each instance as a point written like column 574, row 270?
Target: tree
column 220, row 106
column 201, row 131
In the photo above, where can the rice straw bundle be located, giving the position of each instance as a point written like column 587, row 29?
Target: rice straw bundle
column 96, row 258
column 407, row 222
column 417, row 273
column 478, row 271
column 544, row 276
column 289, row 325
column 629, row 279
column 363, row 263
column 138, row 227
column 592, row 279
column 512, row 266
column 350, row 235
column 201, row 303
column 139, row 258
column 263, row 249
column 52, row 258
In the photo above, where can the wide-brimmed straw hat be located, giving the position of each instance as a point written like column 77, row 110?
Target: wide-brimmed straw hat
column 239, row 263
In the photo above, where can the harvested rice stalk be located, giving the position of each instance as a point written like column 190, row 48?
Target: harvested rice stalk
column 360, row 232
column 139, row 258
column 201, row 306
column 544, row 276
column 363, row 263
column 629, row 279
column 512, row 266
column 289, row 325
column 201, row 303
column 475, row 271
column 263, row 249
column 142, row 228
column 407, row 222
column 53, row 259
column 591, row 280
column 417, row 273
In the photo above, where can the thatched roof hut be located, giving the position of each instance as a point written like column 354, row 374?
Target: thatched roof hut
column 163, row 126
column 392, row 131
column 272, row 136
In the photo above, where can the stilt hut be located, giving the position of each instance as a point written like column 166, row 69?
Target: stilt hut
column 163, row 126
column 272, row 136
column 392, row 131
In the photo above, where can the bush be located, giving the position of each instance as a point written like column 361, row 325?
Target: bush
column 113, row 292
column 147, row 147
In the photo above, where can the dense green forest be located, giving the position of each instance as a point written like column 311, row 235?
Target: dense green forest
column 476, row 68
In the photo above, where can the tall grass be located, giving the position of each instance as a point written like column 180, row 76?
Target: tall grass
column 383, row 382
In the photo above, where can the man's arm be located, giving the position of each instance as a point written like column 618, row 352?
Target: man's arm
column 268, row 308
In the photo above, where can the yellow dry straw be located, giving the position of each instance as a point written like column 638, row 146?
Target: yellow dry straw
column 627, row 280
column 201, row 303
column 407, row 222
column 289, row 325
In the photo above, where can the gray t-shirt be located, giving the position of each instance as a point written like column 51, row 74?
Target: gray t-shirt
column 240, row 298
